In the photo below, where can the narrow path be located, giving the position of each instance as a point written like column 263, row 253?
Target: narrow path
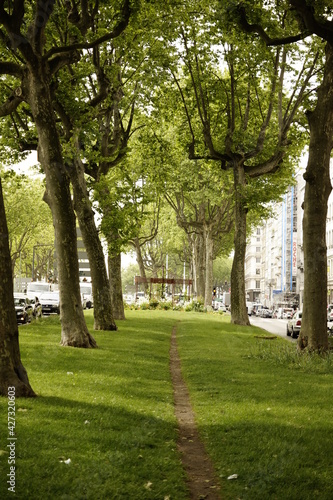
column 201, row 478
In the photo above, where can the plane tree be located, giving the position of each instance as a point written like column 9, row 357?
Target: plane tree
column 302, row 20
column 237, row 113
column 13, row 376
column 33, row 55
column 204, row 210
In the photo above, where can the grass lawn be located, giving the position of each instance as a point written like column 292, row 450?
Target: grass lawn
column 265, row 414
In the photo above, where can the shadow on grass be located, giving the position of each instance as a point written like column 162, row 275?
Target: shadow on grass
column 114, row 452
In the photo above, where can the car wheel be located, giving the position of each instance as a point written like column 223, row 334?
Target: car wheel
column 288, row 332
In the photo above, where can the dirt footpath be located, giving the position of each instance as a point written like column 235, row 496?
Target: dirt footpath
column 201, row 478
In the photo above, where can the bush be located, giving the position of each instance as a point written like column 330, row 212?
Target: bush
column 153, row 304
column 196, row 305
column 166, row 305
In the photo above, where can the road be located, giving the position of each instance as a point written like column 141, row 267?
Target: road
column 275, row 326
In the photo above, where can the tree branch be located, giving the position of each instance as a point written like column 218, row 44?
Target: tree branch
column 10, row 105
column 256, row 28
column 10, row 68
column 119, row 28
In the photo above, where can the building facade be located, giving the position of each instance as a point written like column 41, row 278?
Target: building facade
column 274, row 256
column 274, row 263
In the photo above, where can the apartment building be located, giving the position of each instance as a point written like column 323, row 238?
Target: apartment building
column 273, row 270
column 274, row 263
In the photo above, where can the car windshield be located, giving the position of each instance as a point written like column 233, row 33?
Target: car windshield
column 38, row 287
column 49, row 296
column 85, row 289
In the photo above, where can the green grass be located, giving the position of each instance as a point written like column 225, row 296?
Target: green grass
column 264, row 412
column 110, row 410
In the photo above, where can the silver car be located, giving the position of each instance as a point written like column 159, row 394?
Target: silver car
column 294, row 325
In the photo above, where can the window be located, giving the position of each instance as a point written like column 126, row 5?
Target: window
column 257, row 284
column 258, row 271
column 258, row 259
column 258, row 249
column 258, row 231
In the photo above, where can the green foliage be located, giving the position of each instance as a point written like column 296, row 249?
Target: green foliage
column 222, row 270
column 29, row 222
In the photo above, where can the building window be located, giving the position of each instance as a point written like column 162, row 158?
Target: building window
column 257, row 284
column 258, row 249
column 258, row 231
column 258, row 259
column 257, row 271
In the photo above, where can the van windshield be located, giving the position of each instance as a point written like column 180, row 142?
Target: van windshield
column 38, row 287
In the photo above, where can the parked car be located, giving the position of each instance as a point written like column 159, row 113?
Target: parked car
column 50, row 302
column 23, row 308
column 287, row 313
column 294, row 325
column 128, row 298
column 218, row 305
column 140, row 298
column 266, row 313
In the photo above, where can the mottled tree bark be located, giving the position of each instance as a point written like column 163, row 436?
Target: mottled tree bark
column 318, row 187
column 13, row 376
column 139, row 260
column 200, row 250
column 114, row 262
column 103, row 313
column 74, row 331
column 239, row 314
column 209, row 267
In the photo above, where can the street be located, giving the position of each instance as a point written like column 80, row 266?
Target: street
column 275, row 326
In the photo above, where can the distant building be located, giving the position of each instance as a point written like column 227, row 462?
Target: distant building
column 84, row 266
column 274, row 262
column 271, row 262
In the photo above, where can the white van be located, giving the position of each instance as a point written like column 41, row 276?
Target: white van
column 36, row 288
column 86, row 292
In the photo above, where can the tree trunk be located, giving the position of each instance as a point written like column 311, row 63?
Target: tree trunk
column 201, row 264
column 194, row 266
column 209, row 267
column 139, row 260
column 103, row 314
column 13, row 376
column 74, row 331
column 114, row 262
column 239, row 314
column 318, row 187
